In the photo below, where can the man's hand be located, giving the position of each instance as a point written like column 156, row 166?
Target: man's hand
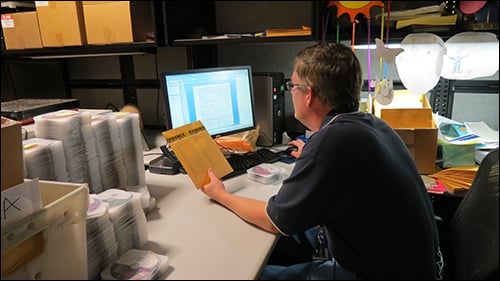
column 215, row 187
column 299, row 144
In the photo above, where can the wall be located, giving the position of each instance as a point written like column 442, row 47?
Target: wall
column 33, row 79
column 150, row 101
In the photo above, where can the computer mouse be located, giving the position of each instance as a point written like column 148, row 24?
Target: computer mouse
column 290, row 149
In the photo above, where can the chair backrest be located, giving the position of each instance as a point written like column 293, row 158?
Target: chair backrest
column 473, row 230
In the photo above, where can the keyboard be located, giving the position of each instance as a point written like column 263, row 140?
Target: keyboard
column 242, row 162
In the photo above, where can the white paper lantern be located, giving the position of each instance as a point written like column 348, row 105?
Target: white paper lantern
column 419, row 66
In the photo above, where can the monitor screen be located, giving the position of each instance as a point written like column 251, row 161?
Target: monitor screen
column 220, row 97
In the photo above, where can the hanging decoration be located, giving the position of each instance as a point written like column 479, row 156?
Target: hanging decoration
column 388, row 55
column 419, row 66
column 384, row 90
column 470, row 55
column 352, row 9
column 471, row 7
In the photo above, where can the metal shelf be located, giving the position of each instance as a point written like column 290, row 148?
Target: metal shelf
column 17, row 5
column 85, row 51
column 242, row 40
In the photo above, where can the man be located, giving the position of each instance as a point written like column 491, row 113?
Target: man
column 354, row 177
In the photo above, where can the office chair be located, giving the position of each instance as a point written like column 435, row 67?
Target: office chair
column 471, row 240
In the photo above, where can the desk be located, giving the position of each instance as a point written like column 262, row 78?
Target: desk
column 203, row 239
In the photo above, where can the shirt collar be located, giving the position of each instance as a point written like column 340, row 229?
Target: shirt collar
column 333, row 113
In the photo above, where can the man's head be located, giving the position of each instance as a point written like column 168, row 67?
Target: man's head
column 334, row 73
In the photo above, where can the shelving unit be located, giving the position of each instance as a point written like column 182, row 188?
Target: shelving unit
column 215, row 18
column 177, row 24
column 125, row 53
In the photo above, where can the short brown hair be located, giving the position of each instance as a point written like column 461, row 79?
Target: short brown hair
column 334, row 71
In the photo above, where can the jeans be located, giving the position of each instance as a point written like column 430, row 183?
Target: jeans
column 298, row 248
column 314, row 270
column 292, row 259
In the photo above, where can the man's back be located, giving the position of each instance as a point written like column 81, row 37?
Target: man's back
column 378, row 214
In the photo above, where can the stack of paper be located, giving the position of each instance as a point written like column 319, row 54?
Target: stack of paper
column 488, row 136
column 304, row 31
column 456, row 179
column 478, row 133
column 428, row 21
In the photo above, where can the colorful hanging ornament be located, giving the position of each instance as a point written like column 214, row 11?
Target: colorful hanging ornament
column 384, row 90
column 387, row 54
column 353, row 8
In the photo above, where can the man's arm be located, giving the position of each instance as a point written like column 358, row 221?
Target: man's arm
column 250, row 210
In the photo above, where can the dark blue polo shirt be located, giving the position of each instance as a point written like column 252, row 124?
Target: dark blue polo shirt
column 356, row 177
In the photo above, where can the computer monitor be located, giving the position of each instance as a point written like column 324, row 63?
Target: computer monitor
column 220, row 97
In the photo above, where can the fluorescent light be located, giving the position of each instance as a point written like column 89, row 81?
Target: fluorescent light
column 374, row 46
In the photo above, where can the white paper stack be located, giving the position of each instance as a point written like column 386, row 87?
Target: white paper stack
column 128, row 218
column 102, row 247
column 44, row 159
column 129, row 131
column 109, row 151
column 73, row 129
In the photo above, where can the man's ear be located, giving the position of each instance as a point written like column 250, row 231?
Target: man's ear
column 310, row 95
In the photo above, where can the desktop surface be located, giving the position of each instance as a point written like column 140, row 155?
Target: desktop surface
column 203, row 239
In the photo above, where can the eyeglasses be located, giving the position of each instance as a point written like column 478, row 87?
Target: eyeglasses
column 289, row 85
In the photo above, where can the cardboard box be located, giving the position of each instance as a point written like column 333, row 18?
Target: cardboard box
column 61, row 223
column 108, row 22
column 20, row 31
column 415, row 125
column 12, row 175
column 61, row 23
column 12, row 153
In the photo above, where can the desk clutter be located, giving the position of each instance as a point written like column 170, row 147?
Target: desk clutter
column 462, row 146
column 102, row 150
column 464, row 143
column 116, row 238
column 99, row 155
column 108, row 243
column 456, row 179
column 266, row 173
